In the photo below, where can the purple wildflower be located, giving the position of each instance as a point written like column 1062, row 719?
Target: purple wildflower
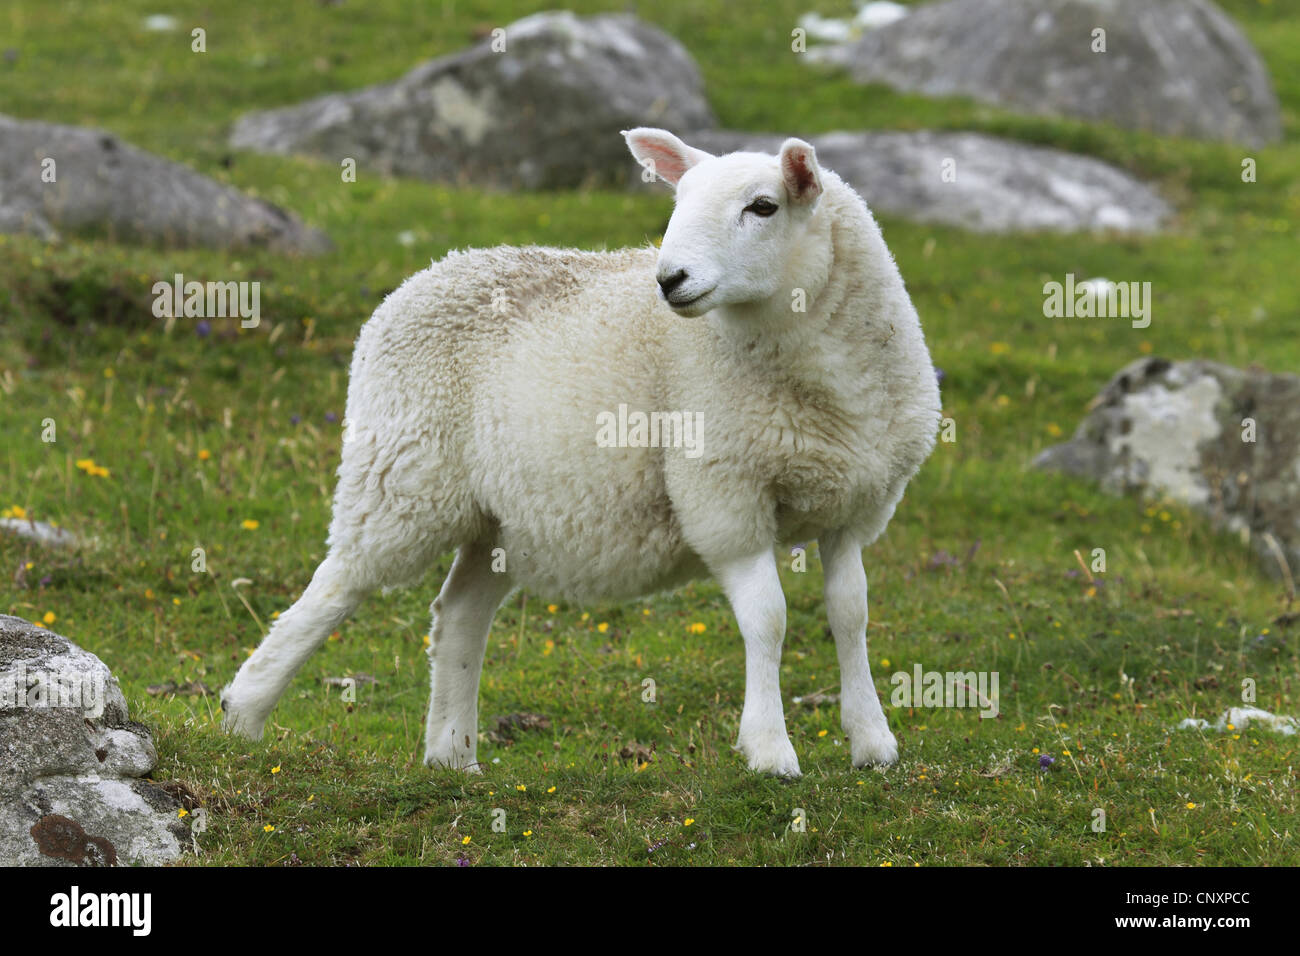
column 1045, row 761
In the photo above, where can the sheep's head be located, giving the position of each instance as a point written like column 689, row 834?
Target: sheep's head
column 738, row 223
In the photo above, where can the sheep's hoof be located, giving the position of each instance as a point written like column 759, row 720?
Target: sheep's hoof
column 445, row 749
column 446, row 746
column 455, row 761
column 235, row 720
column 872, row 746
column 770, row 753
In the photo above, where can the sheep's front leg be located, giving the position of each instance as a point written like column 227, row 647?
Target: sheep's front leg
column 753, row 587
column 334, row 593
column 845, row 591
column 462, row 618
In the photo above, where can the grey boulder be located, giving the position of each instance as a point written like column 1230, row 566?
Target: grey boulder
column 72, row 764
column 545, row 111
column 1174, row 67
column 996, row 185
column 1222, row 440
column 105, row 186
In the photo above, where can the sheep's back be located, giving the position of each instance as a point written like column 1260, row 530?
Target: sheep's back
column 484, row 377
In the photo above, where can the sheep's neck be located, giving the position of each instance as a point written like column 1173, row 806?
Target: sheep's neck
column 802, row 348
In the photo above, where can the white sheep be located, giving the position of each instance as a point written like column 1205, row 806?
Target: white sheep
column 499, row 403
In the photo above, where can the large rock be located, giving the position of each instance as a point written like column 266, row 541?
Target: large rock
column 105, row 186
column 1176, row 67
column 999, row 185
column 1225, row 441
column 544, row 113
column 72, row 765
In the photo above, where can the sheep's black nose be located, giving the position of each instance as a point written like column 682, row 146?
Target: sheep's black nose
column 672, row 282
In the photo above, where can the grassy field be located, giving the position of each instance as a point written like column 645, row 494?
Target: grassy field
column 228, row 442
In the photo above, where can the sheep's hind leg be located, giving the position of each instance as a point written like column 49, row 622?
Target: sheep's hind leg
column 845, row 591
column 328, row 601
column 753, row 587
column 462, row 618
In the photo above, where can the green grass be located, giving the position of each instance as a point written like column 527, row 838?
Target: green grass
column 977, row 571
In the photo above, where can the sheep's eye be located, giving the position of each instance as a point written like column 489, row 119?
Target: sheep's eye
column 762, row 207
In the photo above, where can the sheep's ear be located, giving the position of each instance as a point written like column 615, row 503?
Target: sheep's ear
column 800, row 171
column 662, row 153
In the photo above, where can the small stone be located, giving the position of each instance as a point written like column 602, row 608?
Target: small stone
column 38, row 531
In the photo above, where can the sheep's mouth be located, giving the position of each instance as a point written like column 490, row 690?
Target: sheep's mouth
column 686, row 303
